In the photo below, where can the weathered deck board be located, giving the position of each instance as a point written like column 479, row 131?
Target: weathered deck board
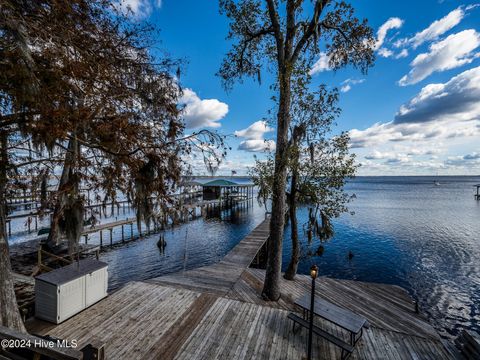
column 149, row 321
column 216, row 312
column 385, row 306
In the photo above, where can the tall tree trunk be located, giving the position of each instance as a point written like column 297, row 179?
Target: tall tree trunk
column 55, row 236
column 292, row 210
column 9, row 313
column 271, row 289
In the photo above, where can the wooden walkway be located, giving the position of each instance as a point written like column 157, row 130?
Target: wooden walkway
column 386, row 307
column 149, row 321
column 221, row 277
column 216, row 312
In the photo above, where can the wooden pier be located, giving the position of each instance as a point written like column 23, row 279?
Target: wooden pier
column 221, row 277
column 216, row 312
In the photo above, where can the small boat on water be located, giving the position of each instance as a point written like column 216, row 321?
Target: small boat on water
column 436, row 183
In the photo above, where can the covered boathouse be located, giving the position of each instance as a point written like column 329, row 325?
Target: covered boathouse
column 226, row 189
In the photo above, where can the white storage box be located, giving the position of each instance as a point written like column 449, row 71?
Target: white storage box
column 64, row 292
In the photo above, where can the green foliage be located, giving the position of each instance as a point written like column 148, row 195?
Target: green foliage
column 285, row 38
column 269, row 38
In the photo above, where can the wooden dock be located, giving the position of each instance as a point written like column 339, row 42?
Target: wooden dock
column 216, row 312
column 221, row 277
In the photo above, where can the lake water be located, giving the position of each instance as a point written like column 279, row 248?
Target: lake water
column 409, row 232
column 405, row 231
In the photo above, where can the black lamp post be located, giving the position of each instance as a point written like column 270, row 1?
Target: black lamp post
column 313, row 274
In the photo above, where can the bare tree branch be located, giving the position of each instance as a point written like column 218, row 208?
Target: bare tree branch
column 319, row 6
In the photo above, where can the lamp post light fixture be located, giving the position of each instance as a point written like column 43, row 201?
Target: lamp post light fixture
column 313, row 274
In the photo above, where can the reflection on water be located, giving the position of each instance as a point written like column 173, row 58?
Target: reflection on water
column 197, row 243
column 405, row 231
column 409, row 232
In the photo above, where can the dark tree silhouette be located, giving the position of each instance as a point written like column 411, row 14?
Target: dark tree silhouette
column 279, row 39
column 80, row 89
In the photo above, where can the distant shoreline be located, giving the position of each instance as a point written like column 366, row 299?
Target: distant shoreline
column 357, row 176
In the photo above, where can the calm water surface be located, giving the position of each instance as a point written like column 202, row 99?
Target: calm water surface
column 405, row 231
column 409, row 232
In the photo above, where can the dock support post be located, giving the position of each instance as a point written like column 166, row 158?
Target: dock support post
column 123, row 234
column 111, row 236
column 101, row 238
column 131, row 231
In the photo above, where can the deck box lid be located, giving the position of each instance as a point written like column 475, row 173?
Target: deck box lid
column 72, row 271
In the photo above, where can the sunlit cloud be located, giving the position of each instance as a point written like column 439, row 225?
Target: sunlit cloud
column 202, row 113
column 454, row 51
column 254, row 137
column 322, row 64
column 138, row 8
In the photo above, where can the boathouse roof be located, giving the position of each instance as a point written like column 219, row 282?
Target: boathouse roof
column 221, row 182
column 226, row 183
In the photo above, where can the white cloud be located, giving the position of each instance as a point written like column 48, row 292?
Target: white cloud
column 257, row 145
column 138, row 8
column 439, row 112
column 392, row 23
column 402, row 54
column 437, row 28
column 452, row 52
column 456, row 100
column 322, row 64
column 381, row 133
column 472, row 159
column 400, row 156
column 202, row 113
column 418, row 151
column 376, row 155
column 256, row 131
column 347, row 84
column 386, row 53
column 254, row 135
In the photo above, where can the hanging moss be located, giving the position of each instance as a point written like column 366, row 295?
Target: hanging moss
column 326, row 231
column 142, row 201
column 71, row 223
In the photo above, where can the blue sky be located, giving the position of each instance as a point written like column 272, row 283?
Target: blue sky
column 417, row 111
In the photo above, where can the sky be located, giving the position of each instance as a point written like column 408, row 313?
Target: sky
column 416, row 112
